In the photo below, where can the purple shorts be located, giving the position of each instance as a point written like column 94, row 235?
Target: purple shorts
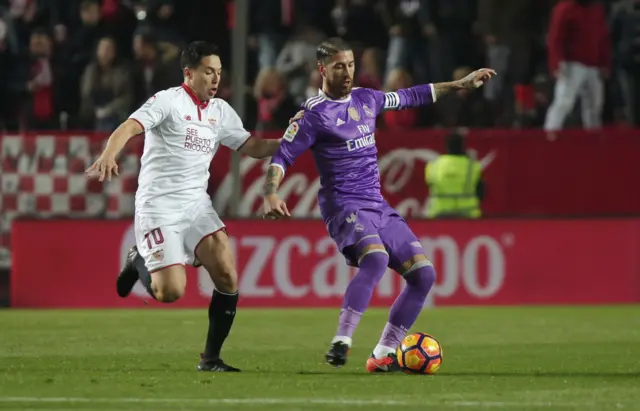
column 355, row 228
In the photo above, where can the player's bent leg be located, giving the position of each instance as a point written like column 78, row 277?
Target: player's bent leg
column 216, row 256
column 420, row 276
column 372, row 259
column 169, row 283
column 159, row 250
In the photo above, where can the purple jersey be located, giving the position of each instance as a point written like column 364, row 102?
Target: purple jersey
column 341, row 136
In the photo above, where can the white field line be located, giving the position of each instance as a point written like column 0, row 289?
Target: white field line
column 306, row 401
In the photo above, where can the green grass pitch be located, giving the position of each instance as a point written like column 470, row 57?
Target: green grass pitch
column 526, row 358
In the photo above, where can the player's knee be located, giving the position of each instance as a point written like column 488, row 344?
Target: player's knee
column 421, row 277
column 168, row 293
column 378, row 257
column 374, row 261
column 226, row 280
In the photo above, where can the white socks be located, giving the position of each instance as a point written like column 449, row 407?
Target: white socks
column 382, row 351
column 342, row 339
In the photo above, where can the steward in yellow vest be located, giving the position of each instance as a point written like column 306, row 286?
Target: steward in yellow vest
column 455, row 183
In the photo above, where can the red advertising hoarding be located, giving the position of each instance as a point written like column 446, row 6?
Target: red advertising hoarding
column 582, row 173
column 73, row 263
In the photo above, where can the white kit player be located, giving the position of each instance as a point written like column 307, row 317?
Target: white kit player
column 175, row 223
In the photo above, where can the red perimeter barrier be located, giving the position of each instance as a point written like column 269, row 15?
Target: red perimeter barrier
column 295, row 264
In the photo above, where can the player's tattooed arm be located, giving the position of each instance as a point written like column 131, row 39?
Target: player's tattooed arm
column 473, row 80
column 274, row 207
column 273, row 180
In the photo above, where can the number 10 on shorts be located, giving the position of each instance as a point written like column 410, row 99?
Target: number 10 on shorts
column 154, row 238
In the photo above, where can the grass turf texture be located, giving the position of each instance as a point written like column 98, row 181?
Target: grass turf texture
column 526, row 358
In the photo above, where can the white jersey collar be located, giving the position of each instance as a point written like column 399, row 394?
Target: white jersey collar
column 326, row 97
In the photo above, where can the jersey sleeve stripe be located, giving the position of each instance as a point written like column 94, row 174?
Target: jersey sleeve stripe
column 310, row 103
column 138, row 121
column 433, row 93
column 391, row 100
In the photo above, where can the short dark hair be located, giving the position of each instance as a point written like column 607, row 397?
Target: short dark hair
column 147, row 35
column 40, row 31
column 455, row 142
column 330, row 48
column 85, row 4
column 194, row 52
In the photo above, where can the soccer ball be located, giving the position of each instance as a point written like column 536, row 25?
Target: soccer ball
column 419, row 353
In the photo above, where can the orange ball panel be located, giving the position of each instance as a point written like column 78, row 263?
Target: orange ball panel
column 400, row 357
column 430, row 346
column 433, row 366
column 410, row 340
column 414, row 359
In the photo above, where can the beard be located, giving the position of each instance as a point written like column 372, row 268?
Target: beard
column 339, row 89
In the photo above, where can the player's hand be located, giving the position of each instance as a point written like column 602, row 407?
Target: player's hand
column 297, row 117
column 105, row 166
column 476, row 79
column 274, row 208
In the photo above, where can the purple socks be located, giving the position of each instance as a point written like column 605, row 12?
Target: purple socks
column 404, row 311
column 358, row 294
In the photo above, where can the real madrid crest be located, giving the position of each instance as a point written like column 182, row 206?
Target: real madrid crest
column 353, row 113
column 368, row 111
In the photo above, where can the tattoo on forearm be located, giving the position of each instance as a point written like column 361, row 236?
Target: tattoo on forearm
column 442, row 89
column 274, row 177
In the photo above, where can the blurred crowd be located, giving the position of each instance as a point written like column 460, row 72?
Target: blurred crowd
column 86, row 64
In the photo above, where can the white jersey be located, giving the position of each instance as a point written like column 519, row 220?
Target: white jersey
column 182, row 135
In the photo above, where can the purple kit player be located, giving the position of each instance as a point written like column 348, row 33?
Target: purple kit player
column 338, row 126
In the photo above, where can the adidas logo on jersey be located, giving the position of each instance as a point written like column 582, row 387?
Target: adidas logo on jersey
column 339, row 122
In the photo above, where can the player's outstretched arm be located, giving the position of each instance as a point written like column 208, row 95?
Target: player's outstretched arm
column 472, row 81
column 105, row 165
column 424, row 94
column 260, row 148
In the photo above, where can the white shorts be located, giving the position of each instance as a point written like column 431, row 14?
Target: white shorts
column 166, row 240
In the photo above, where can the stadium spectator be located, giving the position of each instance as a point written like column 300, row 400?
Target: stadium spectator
column 34, row 81
column 315, row 84
column 464, row 108
column 368, row 71
column 24, row 19
column 162, row 16
column 580, row 59
column 360, row 23
column 406, row 21
column 297, row 58
column 275, row 105
column 8, row 48
column 400, row 119
column 151, row 72
column 271, row 24
column 625, row 27
column 448, row 27
column 106, row 90
column 511, row 29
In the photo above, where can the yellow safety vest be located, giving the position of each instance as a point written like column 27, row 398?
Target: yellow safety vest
column 452, row 181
